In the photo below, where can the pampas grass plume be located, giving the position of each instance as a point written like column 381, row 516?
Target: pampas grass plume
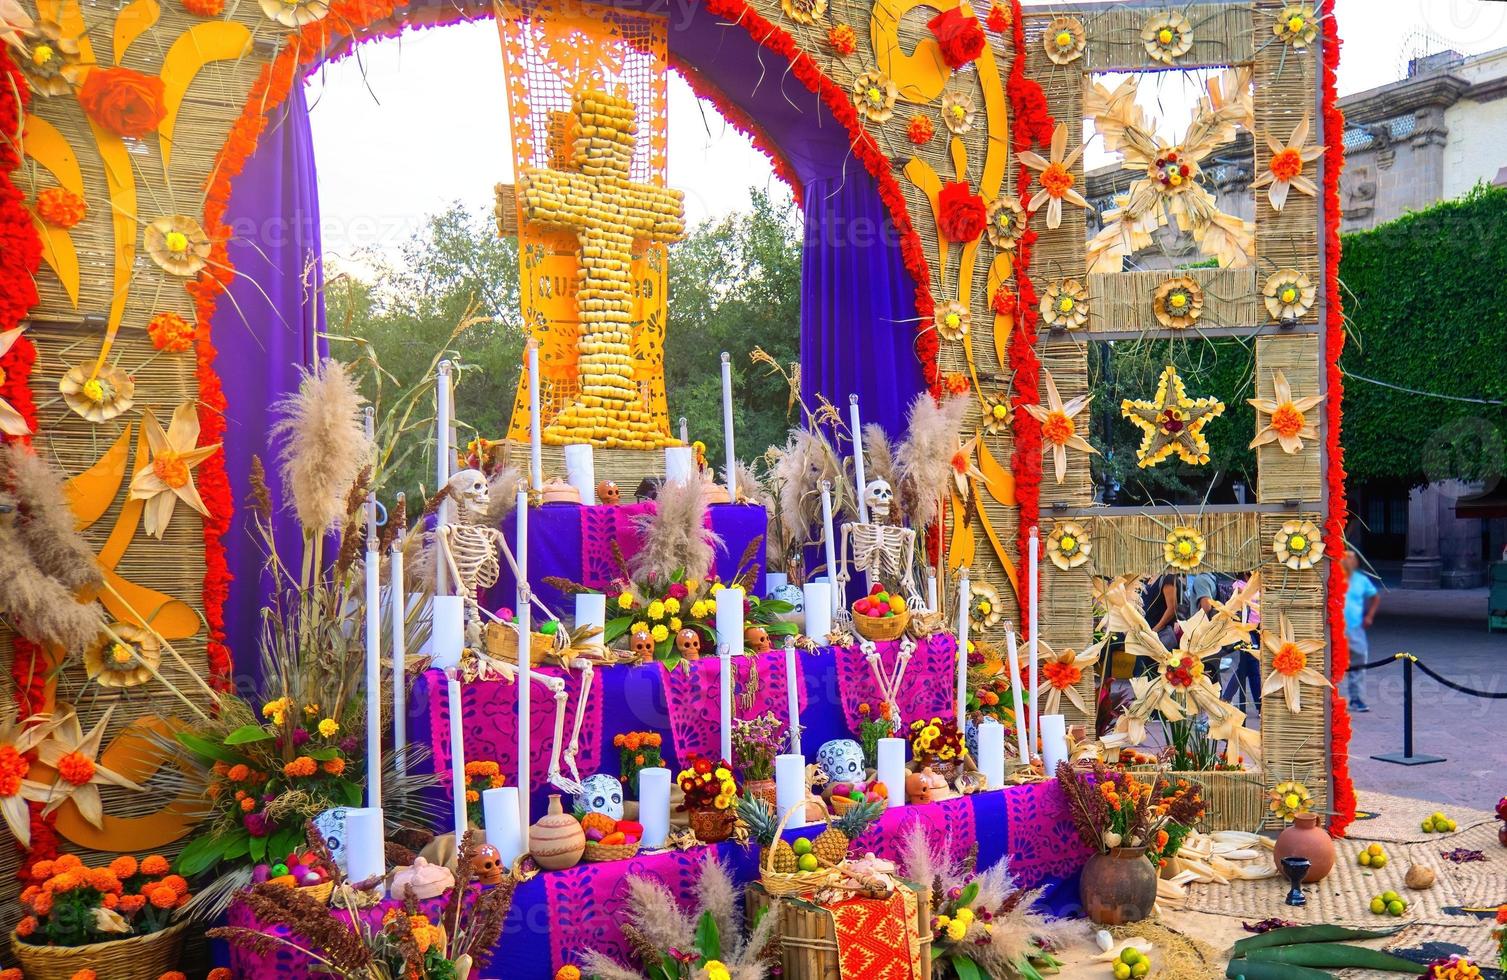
column 675, row 535
column 46, row 522
column 323, row 444
column 924, row 460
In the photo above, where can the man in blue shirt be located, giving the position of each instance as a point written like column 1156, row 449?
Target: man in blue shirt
column 1361, row 600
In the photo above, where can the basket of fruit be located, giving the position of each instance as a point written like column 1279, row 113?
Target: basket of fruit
column 608, row 839
column 843, row 797
column 806, row 863
column 880, row 615
column 502, row 643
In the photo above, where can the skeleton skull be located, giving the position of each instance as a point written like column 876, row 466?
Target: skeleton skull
column 607, row 493
column 841, row 760
column 601, row 794
column 487, row 865
column 468, row 488
column 688, row 643
column 642, row 644
column 878, row 496
column 756, row 639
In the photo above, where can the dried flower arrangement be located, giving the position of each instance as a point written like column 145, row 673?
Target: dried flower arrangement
column 756, row 741
column 1117, row 808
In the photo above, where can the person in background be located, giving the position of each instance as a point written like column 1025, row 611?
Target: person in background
column 1361, row 600
column 1159, row 599
column 1247, row 673
column 1198, row 594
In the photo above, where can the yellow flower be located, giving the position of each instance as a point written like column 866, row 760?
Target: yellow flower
column 660, row 633
column 328, row 727
column 625, row 601
column 656, row 610
column 672, row 605
column 965, row 914
column 721, row 773
column 956, row 930
column 942, row 921
column 715, row 970
column 675, row 624
column 640, row 627
column 699, row 609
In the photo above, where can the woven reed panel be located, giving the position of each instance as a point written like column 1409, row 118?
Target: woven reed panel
column 1221, row 36
column 1067, row 616
column 1059, row 252
column 1068, row 364
column 1127, row 544
column 1123, row 300
column 1282, row 586
column 1281, row 477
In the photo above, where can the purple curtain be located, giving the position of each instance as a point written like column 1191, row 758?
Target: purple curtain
column 264, row 328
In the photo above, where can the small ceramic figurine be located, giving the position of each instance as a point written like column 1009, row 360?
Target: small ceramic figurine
column 421, row 880
column 642, row 644
column 607, row 494
column 600, row 794
column 486, row 866
column 688, row 643
column 756, row 639
column 841, row 761
column 924, row 786
column 559, row 492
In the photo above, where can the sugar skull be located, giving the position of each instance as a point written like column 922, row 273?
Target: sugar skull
column 841, row 761
column 756, row 639
column 486, row 865
column 607, row 493
column 601, row 793
column 688, row 644
column 642, row 644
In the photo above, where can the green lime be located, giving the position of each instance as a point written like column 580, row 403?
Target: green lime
column 1141, row 968
column 549, row 628
column 1396, row 908
column 1449, row 826
column 1390, row 896
column 807, row 862
column 1439, row 817
column 1130, row 956
column 1379, row 862
column 1378, row 906
column 1122, row 971
column 856, row 796
column 1428, row 825
column 801, row 846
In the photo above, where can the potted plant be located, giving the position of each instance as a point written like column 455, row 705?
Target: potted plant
column 711, row 794
column 481, row 775
column 756, row 741
column 636, row 752
column 938, row 745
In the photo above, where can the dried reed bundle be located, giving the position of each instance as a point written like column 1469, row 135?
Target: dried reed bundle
column 46, row 525
column 675, row 536
column 880, row 455
column 924, row 459
column 324, row 444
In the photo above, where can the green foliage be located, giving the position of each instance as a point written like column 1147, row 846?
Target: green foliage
column 1427, row 299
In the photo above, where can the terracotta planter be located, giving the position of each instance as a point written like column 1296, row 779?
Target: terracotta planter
column 556, row 841
column 764, row 790
column 1119, row 887
column 711, row 826
column 1306, row 839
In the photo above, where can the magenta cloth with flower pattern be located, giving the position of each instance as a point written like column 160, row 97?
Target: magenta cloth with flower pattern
column 695, row 705
column 606, row 533
column 927, row 691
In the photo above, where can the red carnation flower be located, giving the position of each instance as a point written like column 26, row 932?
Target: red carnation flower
column 961, row 214
column 959, row 35
column 125, row 102
column 999, row 18
column 1004, row 302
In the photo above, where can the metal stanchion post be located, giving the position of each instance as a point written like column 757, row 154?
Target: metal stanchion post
column 1406, row 756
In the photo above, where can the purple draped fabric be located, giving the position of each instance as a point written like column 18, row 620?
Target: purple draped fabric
column 264, row 328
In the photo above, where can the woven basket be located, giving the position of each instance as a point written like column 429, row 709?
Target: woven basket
column 797, row 882
column 138, row 958
column 320, row 892
column 609, row 852
column 881, row 628
column 808, row 939
column 502, row 644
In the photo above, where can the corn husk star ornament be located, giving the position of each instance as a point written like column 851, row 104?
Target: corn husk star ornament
column 1298, row 544
column 1059, row 431
column 1172, row 422
column 1061, row 672
column 1055, row 173
column 1286, row 417
column 1068, row 545
column 169, row 477
column 1290, row 660
column 74, row 755
column 17, row 738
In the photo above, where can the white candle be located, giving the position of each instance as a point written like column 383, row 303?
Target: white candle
column 729, row 642
column 365, row 855
column 442, row 465
column 964, row 596
column 685, row 431
column 398, row 597
column 817, row 600
column 858, row 474
column 457, row 759
column 991, row 760
column 790, row 787
column 535, row 420
column 1017, row 707
column 447, row 631
column 727, row 425
column 679, row 464
column 373, row 582
column 1032, row 586
column 890, row 768
column 931, row 589
column 591, row 611
column 525, row 636
column 581, row 471
column 1053, row 742
column 793, row 696
column 830, row 540
column 499, row 808
column 654, row 805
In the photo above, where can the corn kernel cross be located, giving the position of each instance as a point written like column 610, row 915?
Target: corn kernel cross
column 608, row 212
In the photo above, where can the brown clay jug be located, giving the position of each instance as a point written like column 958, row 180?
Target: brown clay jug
column 1306, row 839
column 556, row 841
column 1118, row 887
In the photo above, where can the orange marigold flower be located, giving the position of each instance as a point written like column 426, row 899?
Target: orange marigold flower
column 162, row 896
column 248, row 803
column 26, row 926
column 499, row 780
column 132, row 903
column 1061, row 676
column 110, row 900
column 28, row 893
column 1058, row 429
column 654, row 739
column 220, row 768
column 76, row 768
column 219, row 973
column 67, row 862
column 124, row 866
column 239, row 773
column 204, row 8
column 102, row 880
column 843, row 39
column 61, row 207
column 568, row 973
column 335, row 766
column 177, row 883
column 84, row 975
column 42, row 904
column 154, row 864
column 1287, row 420
column 41, row 871
column 921, row 129
column 1287, row 163
column 170, row 332
column 472, row 796
column 1056, row 179
column 173, row 975
column 65, row 882
column 13, row 973
column 956, row 382
column 300, row 767
column 1289, row 660
column 1502, row 915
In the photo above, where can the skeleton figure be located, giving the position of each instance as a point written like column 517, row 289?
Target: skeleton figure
column 880, row 550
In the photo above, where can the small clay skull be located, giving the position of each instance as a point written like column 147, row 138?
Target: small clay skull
column 607, row 493
column 688, row 644
column 643, row 645
column 487, row 865
column 756, row 639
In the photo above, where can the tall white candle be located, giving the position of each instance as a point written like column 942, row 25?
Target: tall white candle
column 792, row 696
column 447, row 630
column 931, row 589
column 373, row 570
column 790, row 787
column 398, row 609
column 457, row 759
column 829, row 539
column 442, row 461
column 991, row 760
column 591, row 611
column 654, row 805
column 499, row 808
column 727, row 426
column 535, row 420
column 525, row 636
column 1032, row 587
column 581, row 471
column 1053, row 742
column 680, row 463
column 964, row 596
column 685, row 431
column 816, row 597
column 856, row 427
column 890, row 768
column 365, row 855
column 729, row 642
column 1018, row 708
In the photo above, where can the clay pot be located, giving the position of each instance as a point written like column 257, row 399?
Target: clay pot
column 1502, row 835
column 764, row 790
column 711, row 826
column 556, row 841
column 1118, row 887
column 1306, row 839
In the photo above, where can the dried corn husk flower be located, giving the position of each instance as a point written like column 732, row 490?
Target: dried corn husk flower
column 1064, row 305
column 51, row 63
column 874, row 96
column 1167, row 36
column 295, row 13
column 1007, row 222
column 998, row 413
column 1178, row 303
column 1289, row 294
column 958, row 112
column 1298, row 544
column 97, row 397
column 1285, row 171
column 1068, row 545
column 177, row 244
column 804, row 11
column 984, row 606
column 128, row 661
column 1064, row 40
column 952, row 319
column 1184, row 548
column 1297, row 25
column 1287, row 422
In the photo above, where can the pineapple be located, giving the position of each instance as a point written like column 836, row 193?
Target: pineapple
column 831, row 845
column 762, row 824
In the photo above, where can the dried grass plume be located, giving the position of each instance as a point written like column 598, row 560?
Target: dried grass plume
column 676, row 536
column 323, row 444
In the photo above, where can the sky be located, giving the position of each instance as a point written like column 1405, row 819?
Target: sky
column 400, row 133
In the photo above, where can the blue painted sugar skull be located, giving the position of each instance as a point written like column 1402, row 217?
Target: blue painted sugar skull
column 331, row 824
column 841, row 761
column 600, row 794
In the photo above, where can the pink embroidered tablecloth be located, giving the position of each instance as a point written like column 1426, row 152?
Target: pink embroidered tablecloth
column 692, row 693
column 927, row 691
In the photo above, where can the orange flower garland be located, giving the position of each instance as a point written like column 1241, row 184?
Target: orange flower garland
column 61, row 207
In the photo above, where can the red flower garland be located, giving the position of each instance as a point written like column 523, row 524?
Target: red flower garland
column 962, row 215
column 959, row 36
column 1342, row 789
